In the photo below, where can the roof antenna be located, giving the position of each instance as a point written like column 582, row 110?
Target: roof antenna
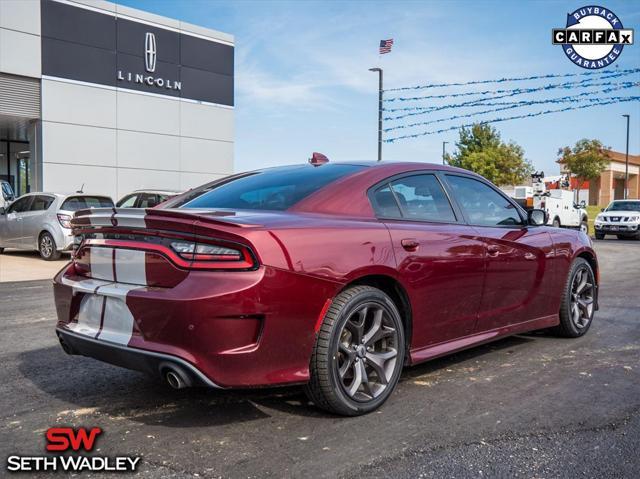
column 81, row 189
column 318, row 159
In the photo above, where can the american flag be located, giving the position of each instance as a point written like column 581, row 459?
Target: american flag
column 385, row 46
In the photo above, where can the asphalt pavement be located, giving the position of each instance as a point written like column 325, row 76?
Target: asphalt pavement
column 531, row 406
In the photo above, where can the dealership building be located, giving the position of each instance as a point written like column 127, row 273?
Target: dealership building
column 116, row 99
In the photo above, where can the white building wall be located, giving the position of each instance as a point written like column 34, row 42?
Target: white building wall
column 115, row 140
column 20, row 37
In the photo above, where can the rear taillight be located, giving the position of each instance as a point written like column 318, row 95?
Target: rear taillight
column 206, row 252
column 65, row 220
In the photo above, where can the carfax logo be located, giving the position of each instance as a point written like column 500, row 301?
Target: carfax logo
column 593, row 38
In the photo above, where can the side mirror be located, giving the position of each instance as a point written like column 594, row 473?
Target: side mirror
column 2, row 211
column 583, row 204
column 601, row 209
column 537, row 217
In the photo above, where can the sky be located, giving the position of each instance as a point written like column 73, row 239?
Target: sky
column 302, row 82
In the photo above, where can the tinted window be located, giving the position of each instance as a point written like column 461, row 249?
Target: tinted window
column 41, row 203
column 483, row 205
column 20, row 205
column 75, row 203
column 273, row 189
column 421, row 197
column 128, row 201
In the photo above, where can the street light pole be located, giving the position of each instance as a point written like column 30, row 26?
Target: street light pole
column 379, row 70
column 626, row 163
column 444, row 152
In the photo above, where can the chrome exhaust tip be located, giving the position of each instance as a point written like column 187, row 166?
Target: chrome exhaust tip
column 176, row 378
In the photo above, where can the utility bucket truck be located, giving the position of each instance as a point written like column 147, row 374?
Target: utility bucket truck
column 562, row 209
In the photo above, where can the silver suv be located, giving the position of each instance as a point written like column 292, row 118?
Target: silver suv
column 41, row 221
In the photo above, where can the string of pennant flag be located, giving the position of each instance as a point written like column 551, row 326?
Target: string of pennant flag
column 423, row 110
column 551, row 86
column 600, row 102
column 567, row 99
column 590, row 85
column 507, row 79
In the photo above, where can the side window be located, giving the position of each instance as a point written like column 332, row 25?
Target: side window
column 20, row 206
column 386, row 205
column 483, row 205
column 421, row 197
column 127, row 201
column 41, row 203
column 148, row 200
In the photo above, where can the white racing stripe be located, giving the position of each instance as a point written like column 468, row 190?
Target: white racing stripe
column 85, row 285
column 117, row 323
column 101, row 260
column 89, row 317
column 116, row 319
column 131, row 218
column 131, row 266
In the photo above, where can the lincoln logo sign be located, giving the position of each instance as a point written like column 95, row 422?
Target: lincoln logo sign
column 150, row 52
column 150, row 55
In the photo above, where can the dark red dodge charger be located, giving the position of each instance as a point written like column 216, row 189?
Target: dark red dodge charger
column 332, row 276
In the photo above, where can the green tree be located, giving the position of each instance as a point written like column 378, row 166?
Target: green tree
column 481, row 150
column 586, row 160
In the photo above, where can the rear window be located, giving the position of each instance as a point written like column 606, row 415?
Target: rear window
column 75, row 203
column 272, row 189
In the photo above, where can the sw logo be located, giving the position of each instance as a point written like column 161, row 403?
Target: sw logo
column 70, row 440
column 593, row 37
column 65, row 438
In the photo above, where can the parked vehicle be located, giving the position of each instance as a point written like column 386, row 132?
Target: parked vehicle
column 331, row 276
column 620, row 218
column 145, row 198
column 7, row 195
column 562, row 209
column 41, row 221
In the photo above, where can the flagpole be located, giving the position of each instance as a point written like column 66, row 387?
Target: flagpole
column 379, row 70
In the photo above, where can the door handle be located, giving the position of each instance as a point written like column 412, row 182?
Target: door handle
column 410, row 244
column 493, row 250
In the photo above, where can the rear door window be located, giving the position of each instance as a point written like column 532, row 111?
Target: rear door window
column 41, row 203
column 148, row 200
column 416, row 197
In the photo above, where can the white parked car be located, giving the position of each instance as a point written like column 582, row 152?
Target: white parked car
column 41, row 221
column 620, row 218
column 145, row 198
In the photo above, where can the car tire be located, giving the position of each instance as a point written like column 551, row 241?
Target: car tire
column 599, row 236
column 350, row 376
column 578, row 301
column 584, row 226
column 47, row 247
column 1, row 250
column 556, row 223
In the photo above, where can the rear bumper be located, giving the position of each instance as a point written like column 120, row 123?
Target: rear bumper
column 131, row 358
column 236, row 329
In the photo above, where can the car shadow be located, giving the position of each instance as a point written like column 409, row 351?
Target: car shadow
column 91, row 385
column 450, row 360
